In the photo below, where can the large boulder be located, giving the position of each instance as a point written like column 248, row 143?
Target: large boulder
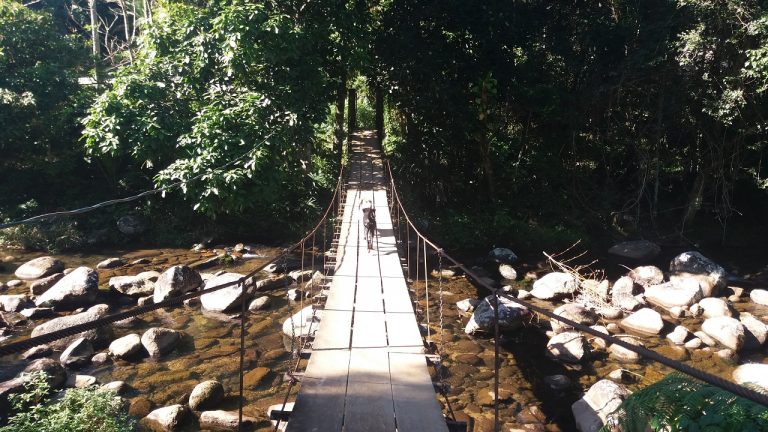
column 622, row 354
column 260, row 303
column 169, row 418
column 623, row 289
column 554, row 286
column 592, row 411
column 37, row 352
column 55, row 372
column 14, row 302
column 176, row 281
column 42, row 285
column 647, row 275
column 225, row 421
column 206, row 395
column 678, row 335
column 279, row 281
column 502, row 255
column 755, row 332
column 131, row 225
column 727, row 331
column 77, row 289
column 511, row 316
column 77, row 354
column 646, row 321
column 305, row 322
column 98, row 336
column 638, row 250
column 225, row 299
column 316, row 282
column 714, row 307
column 39, row 268
column 759, row 296
column 681, row 293
column 133, row 286
column 34, row 313
column 126, row 346
column 467, row 305
column 570, row 347
column 697, row 264
column 507, row 272
column 752, row 373
column 574, row 312
column 159, row 341
column 301, row 276
column 110, row 263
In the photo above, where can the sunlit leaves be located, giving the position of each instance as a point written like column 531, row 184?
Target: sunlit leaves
column 240, row 85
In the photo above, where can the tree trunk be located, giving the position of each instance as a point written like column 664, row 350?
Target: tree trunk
column 352, row 110
column 380, row 114
column 148, row 10
column 485, row 145
column 341, row 96
column 127, row 28
column 695, row 198
column 96, row 43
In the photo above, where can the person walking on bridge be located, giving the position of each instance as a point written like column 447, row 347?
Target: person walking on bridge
column 369, row 221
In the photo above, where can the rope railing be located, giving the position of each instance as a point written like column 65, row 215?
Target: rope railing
column 243, row 282
column 714, row 380
column 293, row 369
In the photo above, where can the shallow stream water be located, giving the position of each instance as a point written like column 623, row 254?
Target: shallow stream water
column 210, row 350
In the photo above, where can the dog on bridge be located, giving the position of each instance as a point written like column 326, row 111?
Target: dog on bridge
column 369, row 221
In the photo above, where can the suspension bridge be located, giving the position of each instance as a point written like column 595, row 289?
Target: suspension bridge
column 368, row 361
column 367, row 370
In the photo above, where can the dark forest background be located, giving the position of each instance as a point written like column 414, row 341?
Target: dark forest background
column 525, row 123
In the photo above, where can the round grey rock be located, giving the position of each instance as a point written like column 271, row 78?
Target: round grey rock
column 159, row 341
column 206, row 395
column 126, row 346
column 39, row 268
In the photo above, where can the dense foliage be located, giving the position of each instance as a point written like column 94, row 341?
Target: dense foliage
column 615, row 113
column 78, row 410
column 242, row 82
column 40, row 103
column 680, row 403
column 525, row 123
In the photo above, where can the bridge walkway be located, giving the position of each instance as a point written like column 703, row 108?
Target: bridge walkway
column 367, row 370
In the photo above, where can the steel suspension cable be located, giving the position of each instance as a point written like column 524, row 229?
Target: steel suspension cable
column 146, row 193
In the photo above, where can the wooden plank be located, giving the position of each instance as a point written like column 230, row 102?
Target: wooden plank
column 335, row 329
column 320, row 403
column 369, row 408
column 403, row 333
column 396, row 297
column 369, row 365
column 369, row 330
column 416, row 406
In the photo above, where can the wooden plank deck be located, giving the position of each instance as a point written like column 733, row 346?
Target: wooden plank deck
column 367, row 371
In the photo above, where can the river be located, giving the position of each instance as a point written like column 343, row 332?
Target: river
column 209, row 351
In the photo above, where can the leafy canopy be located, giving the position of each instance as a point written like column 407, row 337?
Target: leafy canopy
column 230, row 81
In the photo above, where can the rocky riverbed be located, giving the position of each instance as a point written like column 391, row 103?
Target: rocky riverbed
column 200, row 346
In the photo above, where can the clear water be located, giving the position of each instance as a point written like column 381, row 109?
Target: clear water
column 210, row 350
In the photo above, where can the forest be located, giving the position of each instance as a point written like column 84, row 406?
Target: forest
column 528, row 122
